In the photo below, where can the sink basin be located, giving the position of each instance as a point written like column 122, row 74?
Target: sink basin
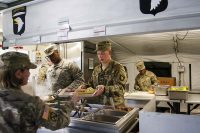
column 102, row 118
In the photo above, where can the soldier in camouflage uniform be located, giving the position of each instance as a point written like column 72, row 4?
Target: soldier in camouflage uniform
column 145, row 79
column 108, row 78
column 20, row 112
column 63, row 75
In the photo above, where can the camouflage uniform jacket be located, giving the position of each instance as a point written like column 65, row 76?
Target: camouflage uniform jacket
column 22, row 113
column 64, row 75
column 145, row 81
column 114, row 79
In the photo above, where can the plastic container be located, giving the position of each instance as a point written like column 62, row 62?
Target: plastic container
column 178, row 94
column 161, row 90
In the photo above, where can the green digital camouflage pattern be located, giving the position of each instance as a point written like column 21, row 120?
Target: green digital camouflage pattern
column 64, row 75
column 22, row 113
column 114, row 79
column 144, row 82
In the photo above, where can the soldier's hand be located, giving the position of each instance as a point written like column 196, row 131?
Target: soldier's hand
column 47, row 98
column 61, row 92
column 151, row 90
column 100, row 90
column 81, row 88
column 75, row 98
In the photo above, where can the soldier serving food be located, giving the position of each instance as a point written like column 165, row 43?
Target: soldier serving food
column 63, row 75
column 145, row 80
column 108, row 78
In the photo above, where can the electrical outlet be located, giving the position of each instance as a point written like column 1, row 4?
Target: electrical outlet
column 181, row 69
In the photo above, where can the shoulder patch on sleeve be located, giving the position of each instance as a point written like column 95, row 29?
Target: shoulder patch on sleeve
column 122, row 77
column 53, row 116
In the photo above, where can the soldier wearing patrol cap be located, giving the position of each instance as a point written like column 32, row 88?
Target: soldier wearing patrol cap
column 63, row 75
column 21, row 112
column 50, row 49
column 140, row 66
column 145, row 80
column 103, row 46
column 15, row 60
column 108, row 78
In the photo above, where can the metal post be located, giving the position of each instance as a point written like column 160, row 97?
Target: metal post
column 190, row 77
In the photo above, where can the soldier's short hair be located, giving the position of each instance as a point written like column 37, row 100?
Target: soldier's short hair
column 103, row 46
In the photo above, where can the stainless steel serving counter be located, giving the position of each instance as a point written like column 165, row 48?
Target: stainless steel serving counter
column 107, row 121
column 100, row 118
column 137, row 98
column 64, row 130
column 140, row 99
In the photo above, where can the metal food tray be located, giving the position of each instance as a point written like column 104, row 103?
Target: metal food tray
column 107, row 121
column 178, row 95
column 161, row 90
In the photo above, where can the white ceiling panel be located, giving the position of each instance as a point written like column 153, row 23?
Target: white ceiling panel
column 157, row 43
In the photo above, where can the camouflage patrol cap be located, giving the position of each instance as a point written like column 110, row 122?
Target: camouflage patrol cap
column 50, row 49
column 140, row 65
column 15, row 60
column 103, row 46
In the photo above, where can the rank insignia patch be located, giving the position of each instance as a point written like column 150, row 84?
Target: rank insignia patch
column 122, row 78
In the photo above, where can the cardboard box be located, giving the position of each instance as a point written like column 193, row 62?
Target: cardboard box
column 167, row 81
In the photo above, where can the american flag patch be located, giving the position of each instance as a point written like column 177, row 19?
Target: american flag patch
column 46, row 112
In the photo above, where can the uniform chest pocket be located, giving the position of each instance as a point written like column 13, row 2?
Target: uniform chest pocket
column 108, row 77
column 105, row 79
column 101, row 79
